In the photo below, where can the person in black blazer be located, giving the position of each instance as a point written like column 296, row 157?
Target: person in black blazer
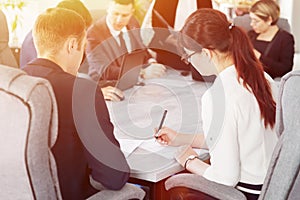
column 273, row 46
column 167, row 9
column 86, row 147
column 103, row 48
column 104, row 51
column 164, row 11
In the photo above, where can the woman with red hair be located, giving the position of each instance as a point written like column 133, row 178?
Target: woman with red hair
column 238, row 110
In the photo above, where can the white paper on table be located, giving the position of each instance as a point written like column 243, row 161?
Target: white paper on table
column 154, row 147
column 179, row 83
column 168, row 152
column 129, row 145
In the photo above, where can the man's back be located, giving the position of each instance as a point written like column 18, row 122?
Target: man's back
column 74, row 162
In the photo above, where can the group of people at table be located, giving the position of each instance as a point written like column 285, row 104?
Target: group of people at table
column 64, row 36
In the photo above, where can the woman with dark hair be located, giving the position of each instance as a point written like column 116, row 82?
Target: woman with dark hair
column 238, row 110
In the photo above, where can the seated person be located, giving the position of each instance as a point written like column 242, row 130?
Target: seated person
column 244, row 21
column 28, row 51
column 85, row 147
column 166, row 16
column 238, row 110
column 273, row 46
column 6, row 56
column 110, row 38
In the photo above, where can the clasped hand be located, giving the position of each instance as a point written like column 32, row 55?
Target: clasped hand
column 154, row 70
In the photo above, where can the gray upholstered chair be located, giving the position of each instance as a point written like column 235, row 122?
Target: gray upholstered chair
column 283, row 177
column 28, row 130
column 6, row 56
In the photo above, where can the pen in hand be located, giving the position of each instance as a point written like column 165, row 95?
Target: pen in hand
column 161, row 122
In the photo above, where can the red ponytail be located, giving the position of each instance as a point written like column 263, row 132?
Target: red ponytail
column 211, row 29
column 250, row 70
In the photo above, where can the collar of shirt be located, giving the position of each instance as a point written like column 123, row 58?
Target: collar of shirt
column 228, row 69
column 184, row 9
column 45, row 63
column 112, row 31
column 115, row 34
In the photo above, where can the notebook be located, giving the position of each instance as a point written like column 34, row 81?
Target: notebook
column 131, row 65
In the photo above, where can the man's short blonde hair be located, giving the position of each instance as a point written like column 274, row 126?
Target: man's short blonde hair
column 53, row 27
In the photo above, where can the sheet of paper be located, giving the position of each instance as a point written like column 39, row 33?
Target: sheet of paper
column 179, row 83
column 129, row 145
column 154, row 147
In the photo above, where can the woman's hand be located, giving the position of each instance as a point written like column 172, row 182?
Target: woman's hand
column 112, row 94
column 167, row 136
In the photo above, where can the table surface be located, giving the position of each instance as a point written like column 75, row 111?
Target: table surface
column 136, row 117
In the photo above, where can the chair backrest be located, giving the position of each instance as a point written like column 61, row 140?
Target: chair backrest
column 6, row 56
column 283, row 178
column 28, row 129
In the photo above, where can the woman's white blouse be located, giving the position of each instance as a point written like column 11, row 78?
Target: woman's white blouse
column 240, row 146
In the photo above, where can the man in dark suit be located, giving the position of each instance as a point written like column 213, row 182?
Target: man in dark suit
column 112, row 36
column 165, row 15
column 167, row 9
column 86, row 147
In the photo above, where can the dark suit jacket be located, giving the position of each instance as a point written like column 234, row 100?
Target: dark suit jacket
column 167, row 9
column 81, row 149
column 103, row 52
column 168, row 54
column 279, row 59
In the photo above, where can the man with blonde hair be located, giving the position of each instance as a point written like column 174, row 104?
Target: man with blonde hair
column 28, row 51
column 86, row 148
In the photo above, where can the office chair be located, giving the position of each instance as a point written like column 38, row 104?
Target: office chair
column 28, row 130
column 283, row 177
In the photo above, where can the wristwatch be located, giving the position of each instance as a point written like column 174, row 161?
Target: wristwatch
column 191, row 157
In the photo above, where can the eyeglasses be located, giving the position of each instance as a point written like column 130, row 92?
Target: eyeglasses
column 256, row 21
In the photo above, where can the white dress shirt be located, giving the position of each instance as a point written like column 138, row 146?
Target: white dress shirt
column 116, row 34
column 184, row 9
column 240, row 146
